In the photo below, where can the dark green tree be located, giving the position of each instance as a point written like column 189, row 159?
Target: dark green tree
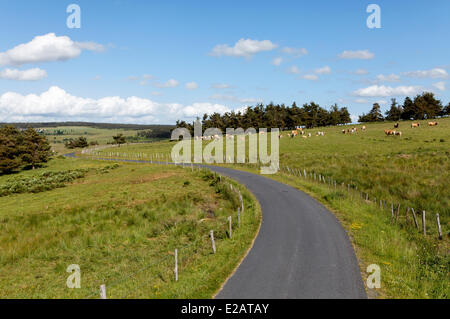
column 10, row 141
column 395, row 112
column 373, row 116
column 35, row 148
column 119, row 139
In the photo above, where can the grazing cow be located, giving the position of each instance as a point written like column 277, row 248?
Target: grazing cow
column 389, row 132
column 343, row 131
column 432, row 123
column 396, row 125
column 415, row 125
column 320, row 134
column 309, row 134
column 294, row 133
column 355, row 129
column 363, row 127
column 398, row 133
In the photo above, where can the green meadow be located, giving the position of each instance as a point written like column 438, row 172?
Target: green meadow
column 411, row 170
column 121, row 223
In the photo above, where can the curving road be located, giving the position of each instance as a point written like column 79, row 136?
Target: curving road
column 301, row 250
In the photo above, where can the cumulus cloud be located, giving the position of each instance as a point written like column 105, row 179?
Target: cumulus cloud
column 324, row 70
column 360, row 72
column 293, row 69
column 359, row 54
column 169, row 84
column 387, row 78
column 440, row 85
column 56, row 104
column 191, row 85
column 298, row 52
column 221, row 86
column 436, row 73
column 277, row 61
column 243, row 48
column 23, row 75
column 383, row 91
column 46, row 48
column 311, row 77
column 235, row 99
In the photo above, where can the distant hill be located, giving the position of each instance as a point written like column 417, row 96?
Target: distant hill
column 163, row 127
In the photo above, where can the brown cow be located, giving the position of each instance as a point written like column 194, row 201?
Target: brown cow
column 389, row 132
column 432, row 123
column 294, row 133
column 415, row 125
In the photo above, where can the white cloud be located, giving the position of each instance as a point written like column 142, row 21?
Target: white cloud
column 191, row 85
column 324, row 70
column 148, row 77
column 277, row 61
column 293, row 69
column 46, row 48
column 221, row 86
column 243, row 48
column 361, row 72
column 311, row 77
column 361, row 101
column 235, row 99
column 169, row 84
column 381, row 102
column 56, row 104
column 387, row 78
column 23, row 75
column 440, row 85
column 436, row 73
column 298, row 52
column 360, row 54
column 383, row 91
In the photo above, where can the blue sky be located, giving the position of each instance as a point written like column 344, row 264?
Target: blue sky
column 158, row 61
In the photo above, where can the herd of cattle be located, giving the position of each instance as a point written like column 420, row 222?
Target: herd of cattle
column 300, row 131
column 413, row 125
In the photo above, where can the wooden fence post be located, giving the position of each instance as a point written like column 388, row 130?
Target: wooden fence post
column 239, row 217
column 213, row 244
column 439, row 226
column 424, row 226
column 414, row 217
column 103, row 291
column 230, row 230
column 176, row 265
column 392, row 210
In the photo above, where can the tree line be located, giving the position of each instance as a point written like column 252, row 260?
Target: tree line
column 271, row 116
column 20, row 149
column 423, row 106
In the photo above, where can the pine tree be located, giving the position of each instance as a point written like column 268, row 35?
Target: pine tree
column 35, row 148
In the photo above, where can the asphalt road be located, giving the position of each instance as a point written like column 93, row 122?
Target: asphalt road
column 301, row 250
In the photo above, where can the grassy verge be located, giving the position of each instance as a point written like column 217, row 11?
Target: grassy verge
column 412, row 266
column 121, row 228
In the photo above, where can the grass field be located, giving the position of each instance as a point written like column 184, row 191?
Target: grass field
column 121, row 225
column 92, row 134
column 411, row 170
